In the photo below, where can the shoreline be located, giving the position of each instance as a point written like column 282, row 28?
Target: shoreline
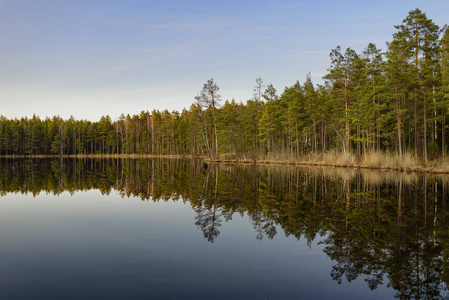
column 431, row 167
column 375, row 161
column 103, row 156
column 420, row 169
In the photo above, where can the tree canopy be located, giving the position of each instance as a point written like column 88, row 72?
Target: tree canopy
column 394, row 100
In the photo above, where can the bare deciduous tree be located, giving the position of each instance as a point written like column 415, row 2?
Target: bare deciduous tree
column 258, row 89
column 209, row 98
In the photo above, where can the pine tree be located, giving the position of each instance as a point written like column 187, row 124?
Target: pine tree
column 339, row 77
column 444, row 84
column 418, row 40
column 398, row 72
column 374, row 72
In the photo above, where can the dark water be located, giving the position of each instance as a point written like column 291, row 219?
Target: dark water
column 180, row 229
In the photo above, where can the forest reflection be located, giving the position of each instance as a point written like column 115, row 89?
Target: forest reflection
column 387, row 228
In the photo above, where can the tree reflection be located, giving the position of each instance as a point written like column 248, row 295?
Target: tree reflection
column 382, row 227
column 208, row 220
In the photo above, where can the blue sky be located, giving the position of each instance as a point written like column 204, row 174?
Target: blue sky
column 89, row 58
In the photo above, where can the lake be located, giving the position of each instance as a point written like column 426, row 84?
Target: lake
column 182, row 229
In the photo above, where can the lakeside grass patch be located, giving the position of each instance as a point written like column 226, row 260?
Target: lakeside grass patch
column 371, row 160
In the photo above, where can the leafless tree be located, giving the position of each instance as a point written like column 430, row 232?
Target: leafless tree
column 258, row 89
column 209, row 98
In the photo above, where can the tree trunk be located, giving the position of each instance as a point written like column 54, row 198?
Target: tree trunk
column 443, row 133
column 425, row 124
column 399, row 124
column 416, row 123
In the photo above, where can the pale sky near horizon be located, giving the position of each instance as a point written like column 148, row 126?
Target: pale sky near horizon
column 90, row 58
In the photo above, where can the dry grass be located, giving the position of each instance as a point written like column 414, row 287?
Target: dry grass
column 377, row 160
column 339, row 159
column 371, row 176
column 384, row 160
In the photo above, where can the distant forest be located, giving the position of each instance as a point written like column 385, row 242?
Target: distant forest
column 393, row 101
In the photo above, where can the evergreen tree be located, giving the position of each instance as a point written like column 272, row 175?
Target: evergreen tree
column 418, row 40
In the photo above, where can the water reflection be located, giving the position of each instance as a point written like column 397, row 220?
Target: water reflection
column 387, row 228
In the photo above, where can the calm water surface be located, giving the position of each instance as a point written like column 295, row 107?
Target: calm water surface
column 180, row 229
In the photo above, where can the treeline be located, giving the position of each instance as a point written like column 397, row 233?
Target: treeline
column 393, row 101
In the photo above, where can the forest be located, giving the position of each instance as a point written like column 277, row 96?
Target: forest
column 390, row 101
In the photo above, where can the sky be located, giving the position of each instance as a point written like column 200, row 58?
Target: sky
column 91, row 58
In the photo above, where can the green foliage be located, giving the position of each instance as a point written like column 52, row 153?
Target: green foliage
column 372, row 100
